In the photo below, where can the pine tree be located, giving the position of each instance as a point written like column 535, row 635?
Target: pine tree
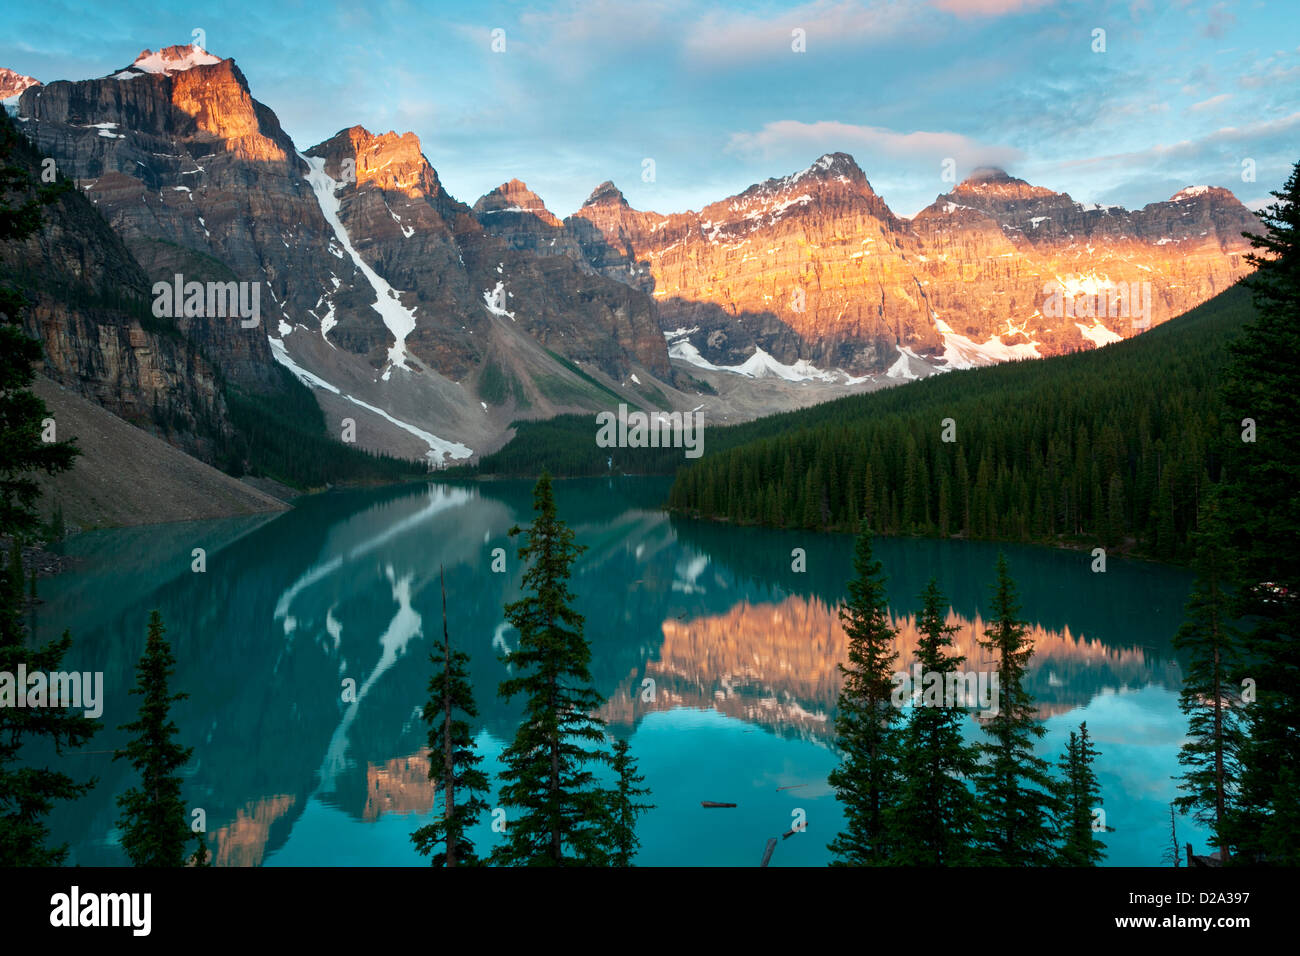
column 1262, row 507
column 153, row 821
column 453, row 764
column 1014, row 786
column 866, row 720
column 547, row 776
column 28, row 793
column 624, row 808
column 1080, row 794
column 1209, row 699
column 933, row 818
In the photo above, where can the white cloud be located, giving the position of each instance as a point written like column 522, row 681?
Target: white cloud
column 788, row 138
column 1212, row 102
column 1191, row 149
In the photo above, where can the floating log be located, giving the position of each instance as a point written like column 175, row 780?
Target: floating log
column 710, row 804
column 767, row 852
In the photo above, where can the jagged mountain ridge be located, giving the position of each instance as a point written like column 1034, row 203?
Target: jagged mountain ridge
column 390, row 284
column 819, row 254
column 424, row 317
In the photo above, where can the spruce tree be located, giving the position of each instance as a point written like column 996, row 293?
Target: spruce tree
column 1262, row 509
column 866, row 721
column 1209, row 698
column 453, row 764
column 932, row 822
column 1014, row 786
column 153, row 821
column 28, row 793
column 561, row 818
column 1080, row 794
column 623, row 806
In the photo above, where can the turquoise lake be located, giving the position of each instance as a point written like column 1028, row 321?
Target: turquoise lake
column 739, row 649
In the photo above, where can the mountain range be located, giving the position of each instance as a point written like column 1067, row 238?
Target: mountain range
column 433, row 324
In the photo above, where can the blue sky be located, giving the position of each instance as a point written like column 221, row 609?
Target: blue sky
column 717, row 97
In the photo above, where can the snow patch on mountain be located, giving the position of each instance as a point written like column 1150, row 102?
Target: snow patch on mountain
column 439, row 448
column 1098, row 334
column 759, row 365
column 173, row 59
column 399, row 319
column 902, row 369
column 959, row 351
column 494, row 300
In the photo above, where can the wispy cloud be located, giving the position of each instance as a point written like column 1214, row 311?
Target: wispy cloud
column 1212, row 102
column 988, row 8
column 713, row 91
column 784, row 139
column 724, row 36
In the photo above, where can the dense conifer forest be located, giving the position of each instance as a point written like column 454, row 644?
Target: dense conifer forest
column 283, row 436
column 1112, row 445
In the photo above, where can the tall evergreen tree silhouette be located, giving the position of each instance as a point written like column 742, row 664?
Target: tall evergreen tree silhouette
column 453, row 763
column 866, row 721
column 624, row 807
column 1080, row 795
column 548, row 778
column 1210, row 698
column 1014, row 786
column 933, row 819
column 1261, row 501
column 153, row 822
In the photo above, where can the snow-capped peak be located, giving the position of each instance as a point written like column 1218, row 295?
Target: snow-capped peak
column 12, row 84
column 827, row 166
column 169, row 60
column 1191, row 192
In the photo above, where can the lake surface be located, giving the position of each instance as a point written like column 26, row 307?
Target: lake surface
column 741, row 650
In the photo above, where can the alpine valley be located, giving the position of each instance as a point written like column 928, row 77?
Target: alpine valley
column 435, row 325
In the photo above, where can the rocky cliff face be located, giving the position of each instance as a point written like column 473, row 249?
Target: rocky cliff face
column 472, row 266
column 514, row 213
column 89, row 308
column 392, row 286
column 998, row 250
column 816, row 266
column 197, row 178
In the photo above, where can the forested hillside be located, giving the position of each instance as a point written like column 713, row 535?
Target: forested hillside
column 1110, row 445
